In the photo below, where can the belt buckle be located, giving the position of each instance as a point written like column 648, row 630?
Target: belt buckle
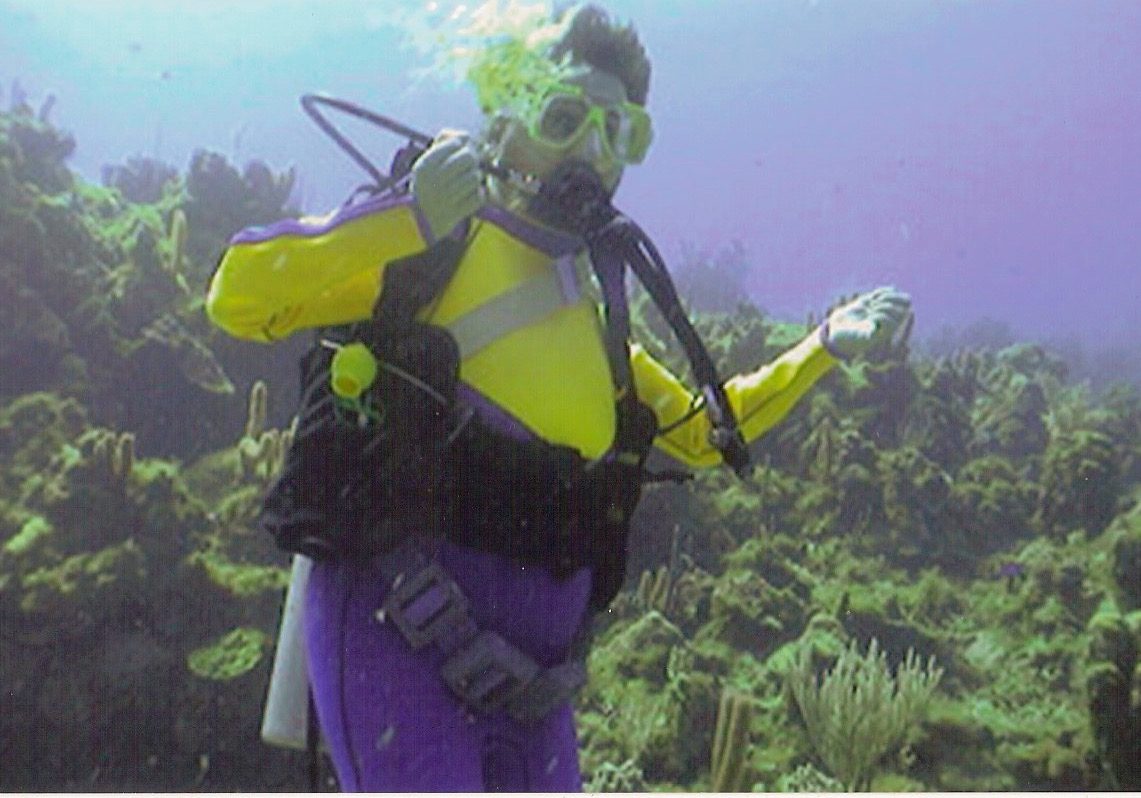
column 489, row 672
column 426, row 605
column 552, row 687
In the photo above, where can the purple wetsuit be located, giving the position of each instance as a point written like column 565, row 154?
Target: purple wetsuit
column 390, row 722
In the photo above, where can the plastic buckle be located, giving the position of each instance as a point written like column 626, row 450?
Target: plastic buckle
column 488, row 672
column 553, row 687
column 426, row 605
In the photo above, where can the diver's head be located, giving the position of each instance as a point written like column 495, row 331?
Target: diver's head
column 593, row 115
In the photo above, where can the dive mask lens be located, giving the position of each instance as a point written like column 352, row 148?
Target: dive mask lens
column 564, row 115
column 562, row 118
column 632, row 135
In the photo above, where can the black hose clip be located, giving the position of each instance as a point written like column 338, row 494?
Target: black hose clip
column 724, row 435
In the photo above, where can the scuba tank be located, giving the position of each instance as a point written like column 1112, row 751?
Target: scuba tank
column 285, row 722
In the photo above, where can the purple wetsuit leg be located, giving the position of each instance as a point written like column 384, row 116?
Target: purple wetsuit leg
column 388, row 719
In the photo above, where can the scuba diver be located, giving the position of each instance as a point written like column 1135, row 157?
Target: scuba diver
column 475, row 423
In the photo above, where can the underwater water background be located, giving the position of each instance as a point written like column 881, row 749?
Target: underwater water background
column 975, row 498
column 981, row 155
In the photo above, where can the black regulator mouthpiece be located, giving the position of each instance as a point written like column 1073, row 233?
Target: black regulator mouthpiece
column 573, row 198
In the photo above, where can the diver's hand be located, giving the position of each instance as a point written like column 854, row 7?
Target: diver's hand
column 447, row 183
column 867, row 321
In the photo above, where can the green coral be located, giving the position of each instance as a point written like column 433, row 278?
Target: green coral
column 647, row 689
column 34, row 530
column 1127, row 560
column 858, row 710
column 88, row 575
column 758, row 602
column 1080, row 483
column 939, row 424
column 730, row 740
column 990, row 507
column 915, row 495
column 37, row 150
column 1010, row 419
column 1112, row 683
column 141, row 179
column 236, row 653
column 239, row 579
column 34, row 427
column 807, row 778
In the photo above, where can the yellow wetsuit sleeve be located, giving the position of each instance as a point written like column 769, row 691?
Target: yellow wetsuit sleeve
column 760, row 399
column 311, row 272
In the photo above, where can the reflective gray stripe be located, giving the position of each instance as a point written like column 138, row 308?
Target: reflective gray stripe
column 525, row 304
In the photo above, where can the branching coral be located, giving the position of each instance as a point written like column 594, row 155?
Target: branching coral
column 261, row 451
column 1010, row 419
column 258, row 449
column 40, row 151
column 257, row 407
column 860, row 501
column 939, row 424
column 819, row 453
column 915, row 492
column 858, row 711
column 141, row 179
column 989, row 508
column 730, row 742
column 177, row 245
column 221, row 198
column 654, row 590
column 115, row 453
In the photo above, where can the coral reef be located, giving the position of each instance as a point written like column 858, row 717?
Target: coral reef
column 236, row 653
column 136, row 601
column 141, row 180
column 111, row 553
column 730, row 739
column 858, row 711
column 975, row 508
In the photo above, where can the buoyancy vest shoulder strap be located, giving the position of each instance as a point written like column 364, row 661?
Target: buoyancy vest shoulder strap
column 574, row 198
column 644, row 259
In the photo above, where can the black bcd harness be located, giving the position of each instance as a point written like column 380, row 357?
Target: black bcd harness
column 356, row 486
column 424, row 465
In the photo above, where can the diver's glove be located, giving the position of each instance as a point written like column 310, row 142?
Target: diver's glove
column 447, row 183
column 869, row 320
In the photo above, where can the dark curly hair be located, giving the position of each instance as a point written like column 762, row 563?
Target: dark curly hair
column 592, row 38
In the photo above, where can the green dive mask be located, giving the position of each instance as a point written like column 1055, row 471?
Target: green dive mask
column 566, row 112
